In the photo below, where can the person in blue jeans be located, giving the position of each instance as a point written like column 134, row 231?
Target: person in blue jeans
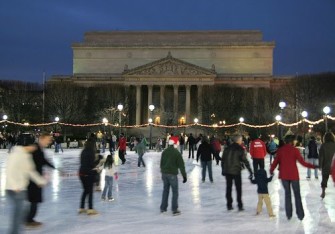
column 287, row 158
column 171, row 161
column 110, row 172
column 205, row 153
column 19, row 169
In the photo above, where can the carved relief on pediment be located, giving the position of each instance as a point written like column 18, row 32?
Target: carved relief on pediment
column 170, row 69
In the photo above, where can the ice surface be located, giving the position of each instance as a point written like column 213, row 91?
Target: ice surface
column 137, row 195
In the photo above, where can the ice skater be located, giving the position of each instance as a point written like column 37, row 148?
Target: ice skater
column 110, row 172
column 205, row 153
column 87, row 173
column 122, row 148
column 232, row 159
column 34, row 190
column 19, row 169
column 99, row 161
column 262, row 180
column 171, row 161
column 140, row 148
column 327, row 152
column 287, row 157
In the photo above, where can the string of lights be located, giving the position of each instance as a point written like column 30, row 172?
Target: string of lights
column 26, row 124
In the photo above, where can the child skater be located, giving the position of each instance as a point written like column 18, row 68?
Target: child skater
column 110, row 172
column 262, row 181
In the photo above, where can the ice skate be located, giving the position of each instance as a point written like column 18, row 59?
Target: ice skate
column 82, row 211
column 92, row 212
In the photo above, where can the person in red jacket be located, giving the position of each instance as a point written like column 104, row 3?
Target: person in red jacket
column 122, row 148
column 258, row 153
column 287, row 157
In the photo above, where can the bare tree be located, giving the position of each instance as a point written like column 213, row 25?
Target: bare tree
column 66, row 101
column 22, row 101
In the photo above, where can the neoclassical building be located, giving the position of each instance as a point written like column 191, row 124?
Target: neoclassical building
column 170, row 68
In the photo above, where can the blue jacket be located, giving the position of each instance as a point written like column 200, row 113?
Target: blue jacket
column 262, row 180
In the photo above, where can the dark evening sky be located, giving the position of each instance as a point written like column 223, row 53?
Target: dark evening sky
column 37, row 35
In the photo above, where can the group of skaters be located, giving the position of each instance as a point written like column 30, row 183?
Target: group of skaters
column 234, row 159
column 285, row 154
column 24, row 179
column 8, row 140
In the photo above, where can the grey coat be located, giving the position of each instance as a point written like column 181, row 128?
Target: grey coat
column 326, row 154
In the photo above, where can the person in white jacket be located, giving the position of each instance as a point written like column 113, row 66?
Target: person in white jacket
column 110, row 172
column 20, row 169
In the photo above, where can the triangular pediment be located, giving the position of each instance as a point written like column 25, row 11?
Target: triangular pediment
column 169, row 67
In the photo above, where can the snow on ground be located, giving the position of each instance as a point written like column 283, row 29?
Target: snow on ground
column 137, row 195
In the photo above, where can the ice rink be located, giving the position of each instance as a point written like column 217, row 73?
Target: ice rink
column 137, row 195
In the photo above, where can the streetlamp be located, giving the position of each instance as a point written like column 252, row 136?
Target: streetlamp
column 150, row 124
column 326, row 111
column 120, row 108
column 196, row 121
column 282, row 105
column 4, row 117
column 151, row 108
column 278, row 119
column 304, row 114
column 105, row 122
column 241, row 119
column 56, row 120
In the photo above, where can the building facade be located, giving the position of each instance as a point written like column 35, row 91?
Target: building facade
column 170, row 68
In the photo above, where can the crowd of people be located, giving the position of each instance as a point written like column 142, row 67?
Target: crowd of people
column 27, row 182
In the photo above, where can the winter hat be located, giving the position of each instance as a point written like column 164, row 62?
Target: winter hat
column 171, row 142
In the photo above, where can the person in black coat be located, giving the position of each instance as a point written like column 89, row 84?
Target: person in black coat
column 191, row 144
column 205, row 153
column 233, row 161
column 312, row 152
column 87, row 175
column 262, row 180
column 35, row 191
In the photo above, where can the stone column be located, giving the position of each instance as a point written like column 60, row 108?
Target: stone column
column 188, row 104
column 138, row 104
column 199, row 103
column 150, row 87
column 162, row 103
column 175, row 103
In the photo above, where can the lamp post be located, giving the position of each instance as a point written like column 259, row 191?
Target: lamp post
column 5, row 117
column 120, row 108
column 326, row 111
column 56, row 120
column 196, row 121
column 278, row 119
column 150, row 125
column 282, row 105
column 105, row 122
column 151, row 108
column 304, row 114
column 241, row 119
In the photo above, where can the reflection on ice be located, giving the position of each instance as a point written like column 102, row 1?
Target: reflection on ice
column 195, row 180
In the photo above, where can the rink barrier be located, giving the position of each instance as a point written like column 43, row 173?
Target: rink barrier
column 174, row 126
